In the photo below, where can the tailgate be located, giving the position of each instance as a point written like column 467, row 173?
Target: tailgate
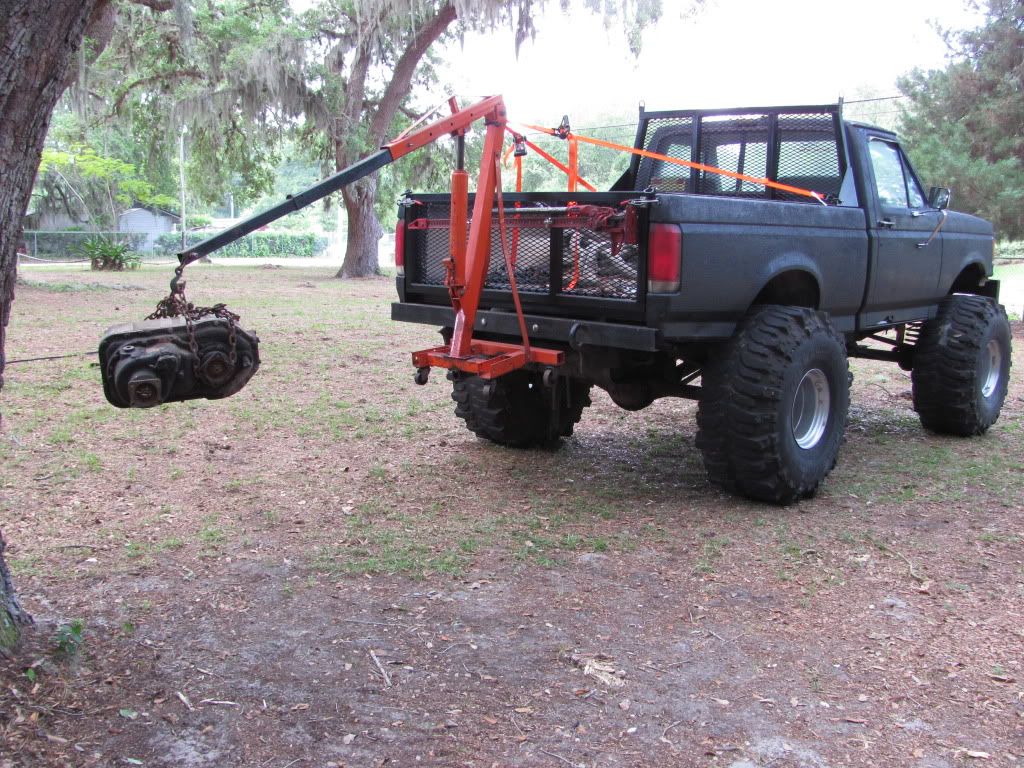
column 562, row 268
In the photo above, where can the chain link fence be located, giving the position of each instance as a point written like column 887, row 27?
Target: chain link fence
column 40, row 246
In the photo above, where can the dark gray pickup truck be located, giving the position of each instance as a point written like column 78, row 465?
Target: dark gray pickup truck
column 745, row 296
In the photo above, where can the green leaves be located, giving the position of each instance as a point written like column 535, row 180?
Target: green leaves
column 69, row 639
column 79, row 176
column 107, row 255
column 965, row 126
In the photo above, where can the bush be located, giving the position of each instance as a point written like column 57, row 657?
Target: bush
column 278, row 244
column 62, row 245
column 109, row 256
column 1010, row 249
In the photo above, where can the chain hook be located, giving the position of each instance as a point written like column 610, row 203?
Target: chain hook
column 176, row 305
column 177, row 286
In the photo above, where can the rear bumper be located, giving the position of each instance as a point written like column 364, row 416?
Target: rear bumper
column 573, row 333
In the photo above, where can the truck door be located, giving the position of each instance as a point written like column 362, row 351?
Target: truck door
column 906, row 262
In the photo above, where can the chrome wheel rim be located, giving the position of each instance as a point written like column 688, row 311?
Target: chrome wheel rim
column 991, row 368
column 811, row 405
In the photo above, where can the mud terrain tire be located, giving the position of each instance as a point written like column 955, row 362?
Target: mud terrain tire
column 962, row 366
column 775, row 404
column 516, row 409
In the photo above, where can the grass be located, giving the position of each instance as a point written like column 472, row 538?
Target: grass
column 390, row 554
column 919, row 466
column 711, row 552
column 212, row 535
column 346, row 484
column 333, row 420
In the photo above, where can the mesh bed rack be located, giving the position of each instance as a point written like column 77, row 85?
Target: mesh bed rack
column 798, row 146
column 555, row 254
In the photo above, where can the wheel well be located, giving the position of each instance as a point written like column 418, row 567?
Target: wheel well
column 795, row 288
column 969, row 280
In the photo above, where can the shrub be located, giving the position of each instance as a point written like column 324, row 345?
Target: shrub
column 107, row 255
column 279, row 244
column 1010, row 249
column 66, row 244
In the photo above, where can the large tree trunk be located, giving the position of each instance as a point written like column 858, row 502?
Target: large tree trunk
column 364, row 229
column 39, row 40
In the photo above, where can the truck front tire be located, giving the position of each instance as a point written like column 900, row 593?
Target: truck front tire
column 775, row 404
column 517, row 410
column 962, row 366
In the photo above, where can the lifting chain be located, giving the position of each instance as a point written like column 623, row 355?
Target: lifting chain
column 176, row 305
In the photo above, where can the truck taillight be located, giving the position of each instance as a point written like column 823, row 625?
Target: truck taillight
column 664, row 255
column 400, row 247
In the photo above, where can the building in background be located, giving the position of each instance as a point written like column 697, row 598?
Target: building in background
column 147, row 220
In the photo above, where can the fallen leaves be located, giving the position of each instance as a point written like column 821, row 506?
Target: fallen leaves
column 599, row 667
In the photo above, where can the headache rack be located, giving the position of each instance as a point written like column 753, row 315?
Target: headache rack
column 797, row 146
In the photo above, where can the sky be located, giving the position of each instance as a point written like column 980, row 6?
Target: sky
column 733, row 53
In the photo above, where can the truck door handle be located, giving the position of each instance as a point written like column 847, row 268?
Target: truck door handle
column 887, row 223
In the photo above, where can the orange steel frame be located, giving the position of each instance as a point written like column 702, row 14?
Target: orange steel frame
column 466, row 269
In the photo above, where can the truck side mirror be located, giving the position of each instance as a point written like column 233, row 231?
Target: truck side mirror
column 938, row 197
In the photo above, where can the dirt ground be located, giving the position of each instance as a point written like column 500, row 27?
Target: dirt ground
column 328, row 570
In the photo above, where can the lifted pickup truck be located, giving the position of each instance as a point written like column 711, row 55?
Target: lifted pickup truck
column 757, row 293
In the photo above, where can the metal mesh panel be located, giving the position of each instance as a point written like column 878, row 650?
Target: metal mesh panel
column 590, row 269
column 808, row 155
column 532, row 249
column 588, row 266
column 672, row 137
column 739, row 144
column 431, row 250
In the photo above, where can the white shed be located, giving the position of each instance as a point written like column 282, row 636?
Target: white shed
column 148, row 220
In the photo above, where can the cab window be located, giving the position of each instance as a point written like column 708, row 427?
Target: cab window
column 894, row 182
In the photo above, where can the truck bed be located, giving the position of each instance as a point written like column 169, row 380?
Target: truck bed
column 560, row 270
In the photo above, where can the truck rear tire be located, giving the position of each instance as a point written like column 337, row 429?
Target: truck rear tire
column 775, row 403
column 962, row 366
column 516, row 409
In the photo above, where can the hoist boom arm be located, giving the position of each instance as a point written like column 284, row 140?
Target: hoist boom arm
column 455, row 124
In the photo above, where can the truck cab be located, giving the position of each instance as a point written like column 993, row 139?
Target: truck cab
column 920, row 251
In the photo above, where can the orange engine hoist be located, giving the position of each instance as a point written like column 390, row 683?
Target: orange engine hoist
column 181, row 352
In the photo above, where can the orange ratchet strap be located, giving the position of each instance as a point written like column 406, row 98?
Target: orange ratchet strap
column 561, row 166
column 676, row 161
column 574, row 163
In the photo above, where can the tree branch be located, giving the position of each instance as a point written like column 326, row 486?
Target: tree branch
column 375, row 103
column 98, row 32
column 178, row 74
column 401, row 81
column 355, row 92
column 156, row 5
